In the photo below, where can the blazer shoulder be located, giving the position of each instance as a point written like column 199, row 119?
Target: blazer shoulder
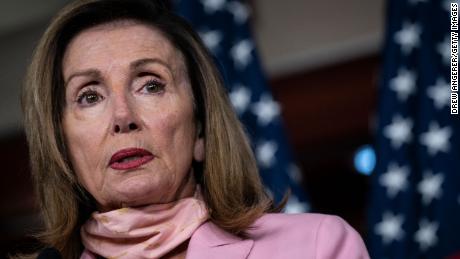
column 290, row 222
column 315, row 235
column 337, row 239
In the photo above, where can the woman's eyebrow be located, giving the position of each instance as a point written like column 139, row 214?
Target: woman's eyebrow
column 88, row 72
column 140, row 62
column 134, row 65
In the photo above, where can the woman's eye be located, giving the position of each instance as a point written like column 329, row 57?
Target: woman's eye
column 89, row 97
column 153, row 86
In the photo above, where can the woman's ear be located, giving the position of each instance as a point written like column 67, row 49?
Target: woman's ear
column 198, row 150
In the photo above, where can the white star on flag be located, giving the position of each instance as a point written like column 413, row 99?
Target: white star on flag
column 408, row 37
column 211, row 6
column 390, row 228
column 403, row 84
column 265, row 153
column 266, row 109
column 436, row 139
column 294, row 173
column 426, row 234
column 241, row 53
column 395, row 179
column 293, row 206
column 399, row 131
column 211, row 39
column 440, row 93
column 240, row 11
column 240, row 98
column 430, row 187
column 444, row 50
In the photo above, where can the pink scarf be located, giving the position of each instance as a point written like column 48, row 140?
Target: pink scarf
column 147, row 232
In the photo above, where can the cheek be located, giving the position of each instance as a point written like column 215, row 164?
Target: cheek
column 170, row 118
column 173, row 131
column 169, row 130
column 85, row 130
column 84, row 141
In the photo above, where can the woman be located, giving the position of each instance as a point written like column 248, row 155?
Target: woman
column 136, row 152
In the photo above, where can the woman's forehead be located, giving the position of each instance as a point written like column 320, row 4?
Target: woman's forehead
column 120, row 40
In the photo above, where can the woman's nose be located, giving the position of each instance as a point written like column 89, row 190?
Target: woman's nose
column 125, row 118
column 125, row 128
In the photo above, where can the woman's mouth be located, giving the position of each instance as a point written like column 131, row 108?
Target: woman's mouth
column 130, row 158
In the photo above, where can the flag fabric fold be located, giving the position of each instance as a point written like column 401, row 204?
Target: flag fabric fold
column 415, row 200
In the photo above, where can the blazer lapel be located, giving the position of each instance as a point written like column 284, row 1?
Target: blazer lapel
column 209, row 241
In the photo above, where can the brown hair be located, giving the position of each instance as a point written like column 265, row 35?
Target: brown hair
column 229, row 176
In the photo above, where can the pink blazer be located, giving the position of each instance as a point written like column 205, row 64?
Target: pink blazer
column 283, row 236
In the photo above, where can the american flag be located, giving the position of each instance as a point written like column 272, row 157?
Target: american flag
column 223, row 27
column 415, row 204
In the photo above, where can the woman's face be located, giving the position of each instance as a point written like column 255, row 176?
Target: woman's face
column 129, row 118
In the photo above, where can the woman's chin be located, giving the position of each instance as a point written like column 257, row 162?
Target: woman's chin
column 141, row 189
column 137, row 191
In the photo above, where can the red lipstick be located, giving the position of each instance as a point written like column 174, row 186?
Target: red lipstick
column 130, row 158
